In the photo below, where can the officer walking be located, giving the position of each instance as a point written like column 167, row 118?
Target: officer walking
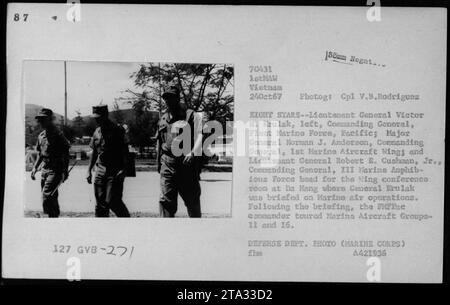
column 109, row 155
column 53, row 154
column 178, row 170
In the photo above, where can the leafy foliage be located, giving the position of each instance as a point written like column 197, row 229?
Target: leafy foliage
column 205, row 88
column 143, row 128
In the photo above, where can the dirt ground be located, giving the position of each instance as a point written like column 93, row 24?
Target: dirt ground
column 141, row 195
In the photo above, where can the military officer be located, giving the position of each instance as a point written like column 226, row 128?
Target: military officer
column 53, row 155
column 178, row 169
column 109, row 156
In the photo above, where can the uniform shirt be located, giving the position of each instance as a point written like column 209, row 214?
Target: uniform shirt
column 170, row 127
column 53, row 147
column 110, row 145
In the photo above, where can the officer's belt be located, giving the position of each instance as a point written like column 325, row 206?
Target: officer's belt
column 52, row 159
column 170, row 154
column 55, row 164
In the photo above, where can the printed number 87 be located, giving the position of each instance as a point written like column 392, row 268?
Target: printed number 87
column 17, row 17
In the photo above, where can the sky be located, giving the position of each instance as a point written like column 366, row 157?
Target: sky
column 88, row 83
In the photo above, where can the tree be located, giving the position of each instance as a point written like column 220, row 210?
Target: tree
column 117, row 115
column 68, row 132
column 89, row 127
column 205, row 88
column 78, row 124
column 143, row 127
column 32, row 132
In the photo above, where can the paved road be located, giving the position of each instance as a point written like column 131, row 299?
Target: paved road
column 141, row 193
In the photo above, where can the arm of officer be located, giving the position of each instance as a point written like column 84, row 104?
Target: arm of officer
column 92, row 161
column 197, row 149
column 198, row 139
column 38, row 161
column 124, row 146
column 66, row 157
column 158, row 151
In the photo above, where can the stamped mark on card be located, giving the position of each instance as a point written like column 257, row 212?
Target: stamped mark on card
column 332, row 56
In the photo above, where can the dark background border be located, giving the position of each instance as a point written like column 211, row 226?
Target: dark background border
column 281, row 290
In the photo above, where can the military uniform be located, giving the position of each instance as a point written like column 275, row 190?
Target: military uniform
column 109, row 143
column 175, row 176
column 53, row 148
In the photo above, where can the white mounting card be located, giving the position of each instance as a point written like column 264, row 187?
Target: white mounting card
column 332, row 168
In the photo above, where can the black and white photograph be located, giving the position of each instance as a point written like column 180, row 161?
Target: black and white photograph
column 286, row 143
column 99, row 139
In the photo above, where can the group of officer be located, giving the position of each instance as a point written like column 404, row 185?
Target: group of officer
column 179, row 172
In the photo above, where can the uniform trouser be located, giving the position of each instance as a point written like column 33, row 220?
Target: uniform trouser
column 50, row 180
column 178, row 178
column 108, row 191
